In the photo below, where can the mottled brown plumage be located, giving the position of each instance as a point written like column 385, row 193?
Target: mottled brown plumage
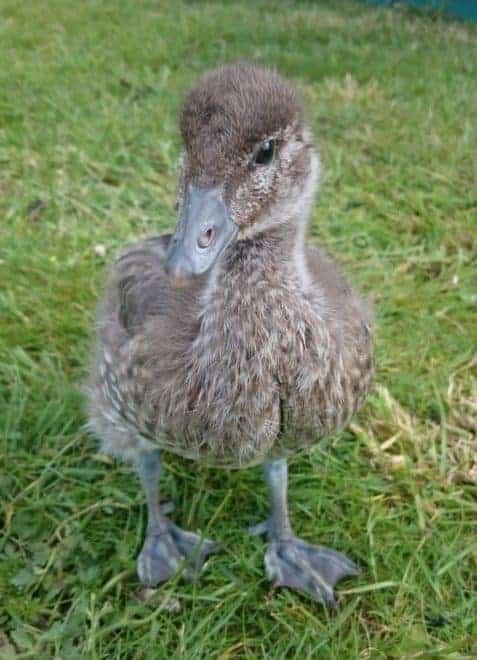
column 270, row 349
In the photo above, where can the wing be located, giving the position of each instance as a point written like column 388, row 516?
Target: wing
column 139, row 303
column 141, row 283
column 138, row 289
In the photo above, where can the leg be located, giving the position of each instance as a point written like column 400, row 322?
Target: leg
column 166, row 544
column 291, row 562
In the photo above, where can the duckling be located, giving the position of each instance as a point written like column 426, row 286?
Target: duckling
column 231, row 342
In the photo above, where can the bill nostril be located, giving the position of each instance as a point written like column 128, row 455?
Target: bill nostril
column 206, row 238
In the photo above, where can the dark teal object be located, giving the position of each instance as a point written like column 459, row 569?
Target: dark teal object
column 463, row 9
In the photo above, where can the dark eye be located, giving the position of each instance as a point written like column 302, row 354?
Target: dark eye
column 265, row 153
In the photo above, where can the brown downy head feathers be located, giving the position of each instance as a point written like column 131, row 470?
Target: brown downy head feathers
column 227, row 118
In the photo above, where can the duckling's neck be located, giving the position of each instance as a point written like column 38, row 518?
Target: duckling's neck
column 254, row 294
column 273, row 250
column 257, row 273
column 274, row 257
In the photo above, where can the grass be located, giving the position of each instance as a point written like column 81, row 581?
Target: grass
column 88, row 144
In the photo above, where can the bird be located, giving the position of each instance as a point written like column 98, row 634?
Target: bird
column 231, row 342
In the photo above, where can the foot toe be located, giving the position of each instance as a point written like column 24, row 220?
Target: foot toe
column 260, row 528
column 194, row 547
column 158, row 560
column 332, row 565
column 309, row 569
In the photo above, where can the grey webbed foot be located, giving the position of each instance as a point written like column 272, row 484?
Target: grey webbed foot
column 167, row 546
column 193, row 547
column 164, row 549
column 311, row 569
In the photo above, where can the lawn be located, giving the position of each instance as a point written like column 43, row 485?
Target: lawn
column 89, row 95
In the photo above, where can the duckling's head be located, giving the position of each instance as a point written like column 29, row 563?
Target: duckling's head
column 248, row 165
